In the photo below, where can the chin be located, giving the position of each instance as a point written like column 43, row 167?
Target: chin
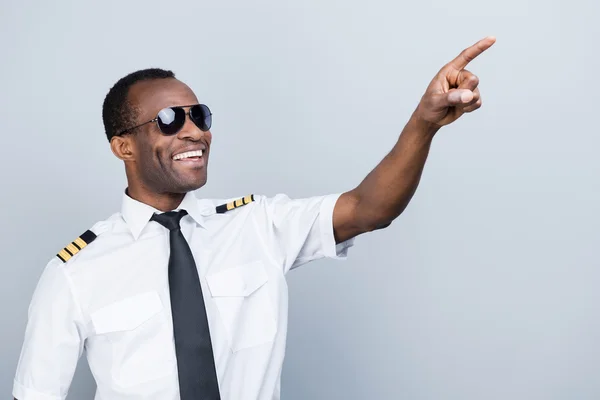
column 191, row 186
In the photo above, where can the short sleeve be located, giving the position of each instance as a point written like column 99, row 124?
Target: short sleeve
column 302, row 229
column 53, row 341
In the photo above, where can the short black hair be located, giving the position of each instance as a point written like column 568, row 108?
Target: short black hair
column 117, row 112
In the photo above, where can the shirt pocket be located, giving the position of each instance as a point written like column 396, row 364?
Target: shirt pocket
column 246, row 309
column 138, row 337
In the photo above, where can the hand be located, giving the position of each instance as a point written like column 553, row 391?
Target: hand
column 453, row 91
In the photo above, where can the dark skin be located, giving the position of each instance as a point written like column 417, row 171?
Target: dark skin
column 380, row 198
column 386, row 191
column 155, row 179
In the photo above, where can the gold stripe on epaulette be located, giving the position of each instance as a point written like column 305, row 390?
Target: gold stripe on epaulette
column 75, row 246
column 64, row 256
column 80, row 243
column 72, row 249
column 234, row 204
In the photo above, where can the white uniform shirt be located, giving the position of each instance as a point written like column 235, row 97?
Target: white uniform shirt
column 112, row 299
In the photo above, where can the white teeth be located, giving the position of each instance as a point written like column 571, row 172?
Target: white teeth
column 180, row 156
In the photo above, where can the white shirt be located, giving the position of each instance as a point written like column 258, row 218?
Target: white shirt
column 111, row 299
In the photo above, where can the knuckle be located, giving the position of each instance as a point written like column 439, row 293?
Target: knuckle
column 465, row 54
column 471, row 77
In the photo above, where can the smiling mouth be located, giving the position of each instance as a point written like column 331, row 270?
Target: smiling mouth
column 188, row 155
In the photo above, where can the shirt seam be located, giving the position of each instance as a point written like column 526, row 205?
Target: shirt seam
column 77, row 305
column 279, row 263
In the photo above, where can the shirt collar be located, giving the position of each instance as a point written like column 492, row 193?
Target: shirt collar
column 137, row 214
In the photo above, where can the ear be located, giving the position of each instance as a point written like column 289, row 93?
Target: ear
column 122, row 147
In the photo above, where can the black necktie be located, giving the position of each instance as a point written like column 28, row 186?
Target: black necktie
column 193, row 347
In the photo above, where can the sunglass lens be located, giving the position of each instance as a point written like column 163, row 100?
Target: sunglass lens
column 171, row 120
column 201, row 116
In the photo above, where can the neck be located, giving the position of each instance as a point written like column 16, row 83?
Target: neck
column 161, row 201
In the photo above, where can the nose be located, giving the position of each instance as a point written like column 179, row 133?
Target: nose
column 189, row 130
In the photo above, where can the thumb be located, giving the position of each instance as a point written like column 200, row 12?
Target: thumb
column 454, row 97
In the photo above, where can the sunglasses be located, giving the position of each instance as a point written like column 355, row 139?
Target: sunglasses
column 170, row 120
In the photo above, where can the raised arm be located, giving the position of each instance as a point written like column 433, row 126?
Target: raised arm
column 386, row 191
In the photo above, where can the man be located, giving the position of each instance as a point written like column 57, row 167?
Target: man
column 175, row 297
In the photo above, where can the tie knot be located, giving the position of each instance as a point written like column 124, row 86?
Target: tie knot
column 170, row 219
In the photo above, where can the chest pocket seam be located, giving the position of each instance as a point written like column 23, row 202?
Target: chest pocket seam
column 241, row 294
column 238, row 281
column 130, row 313
column 135, row 338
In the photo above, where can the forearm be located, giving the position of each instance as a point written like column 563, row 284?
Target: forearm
column 386, row 191
column 384, row 194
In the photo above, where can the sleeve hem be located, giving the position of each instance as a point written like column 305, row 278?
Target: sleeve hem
column 21, row 392
column 330, row 248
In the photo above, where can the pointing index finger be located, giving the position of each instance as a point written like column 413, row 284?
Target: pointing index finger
column 470, row 53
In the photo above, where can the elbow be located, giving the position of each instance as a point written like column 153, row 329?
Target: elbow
column 369, row 218
column 382, row 225
column 369, row 221
column 376, row 225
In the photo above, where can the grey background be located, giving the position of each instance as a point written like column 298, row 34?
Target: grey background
column 485, row 288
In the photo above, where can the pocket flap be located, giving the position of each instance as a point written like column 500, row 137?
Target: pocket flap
column 126, row 314
column 239, row 281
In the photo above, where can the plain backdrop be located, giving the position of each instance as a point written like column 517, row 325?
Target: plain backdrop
column 485, row 288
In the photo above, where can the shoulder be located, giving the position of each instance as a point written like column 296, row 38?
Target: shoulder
column 223, row 205
column 259, row 201
column 85, row 242
column 231, row 205
column 278, row 206
column 250, row 203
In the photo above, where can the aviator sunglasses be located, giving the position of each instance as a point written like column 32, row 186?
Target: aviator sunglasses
column 170, row 120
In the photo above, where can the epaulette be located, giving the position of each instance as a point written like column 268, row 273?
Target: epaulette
column 223, row 208
column 75, row 246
